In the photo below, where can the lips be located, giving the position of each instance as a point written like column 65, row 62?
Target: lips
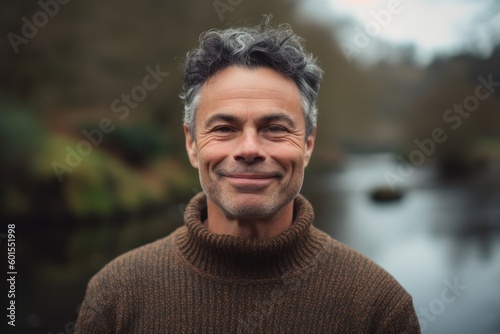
column 248, row 173
column 251, row 182
column 252, row 176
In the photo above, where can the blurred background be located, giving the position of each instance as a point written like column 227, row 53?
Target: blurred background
column 406, row 167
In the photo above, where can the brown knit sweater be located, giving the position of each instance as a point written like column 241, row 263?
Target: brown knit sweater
column 193, row 281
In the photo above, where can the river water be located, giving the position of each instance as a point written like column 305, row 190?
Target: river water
column 441, row 241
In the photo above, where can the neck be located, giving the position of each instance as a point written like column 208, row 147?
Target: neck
column 247, row 259
column 217, row 222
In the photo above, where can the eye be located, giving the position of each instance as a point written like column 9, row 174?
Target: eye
column 223, row 129
column 276, row 129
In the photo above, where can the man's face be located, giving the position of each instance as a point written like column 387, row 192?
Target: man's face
column 250, row 147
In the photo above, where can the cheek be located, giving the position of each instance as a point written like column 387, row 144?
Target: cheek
column 210, row 156
column 290, row 159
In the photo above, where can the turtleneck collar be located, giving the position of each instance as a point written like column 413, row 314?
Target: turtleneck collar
column 241, row 258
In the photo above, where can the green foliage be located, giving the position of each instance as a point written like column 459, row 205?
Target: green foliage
column 102, row 184
column 20, row 135
column 139, row 143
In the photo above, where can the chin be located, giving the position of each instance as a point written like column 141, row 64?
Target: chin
column 251, row 207
column 249, row 212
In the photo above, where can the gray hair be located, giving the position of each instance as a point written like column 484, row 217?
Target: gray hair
column 278, row 48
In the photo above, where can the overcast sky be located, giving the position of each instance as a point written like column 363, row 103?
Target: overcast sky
column 432, row 26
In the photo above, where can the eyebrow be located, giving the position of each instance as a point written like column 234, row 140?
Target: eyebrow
column 221, row 117
column 279, row 116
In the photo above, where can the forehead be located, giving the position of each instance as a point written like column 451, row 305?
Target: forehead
column 241, row 87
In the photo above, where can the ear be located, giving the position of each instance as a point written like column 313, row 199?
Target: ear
column 309, row 146
column 191, row 148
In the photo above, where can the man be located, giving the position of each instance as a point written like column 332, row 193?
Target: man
column 248, row 259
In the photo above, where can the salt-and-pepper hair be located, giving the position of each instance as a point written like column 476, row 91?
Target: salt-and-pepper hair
column 278, row 48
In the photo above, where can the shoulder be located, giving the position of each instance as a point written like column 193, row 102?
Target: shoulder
column 137, row 262
column 348, row 261
column 120, row 288
column 356, row 273
column 364, row 289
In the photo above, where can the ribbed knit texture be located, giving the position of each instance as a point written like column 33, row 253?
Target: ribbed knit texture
column 194, row 281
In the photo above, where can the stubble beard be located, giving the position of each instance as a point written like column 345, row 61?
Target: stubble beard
column 239, row 208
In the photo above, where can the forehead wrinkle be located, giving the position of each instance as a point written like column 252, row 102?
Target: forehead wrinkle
column 248, row 94
column 231, row 105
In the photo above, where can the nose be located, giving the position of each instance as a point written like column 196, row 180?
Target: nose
column 249, row 149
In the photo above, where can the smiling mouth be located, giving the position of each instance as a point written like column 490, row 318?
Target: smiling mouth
column 251, row 183
column 252, row 176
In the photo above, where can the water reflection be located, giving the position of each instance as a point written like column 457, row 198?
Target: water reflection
column 439, row 235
